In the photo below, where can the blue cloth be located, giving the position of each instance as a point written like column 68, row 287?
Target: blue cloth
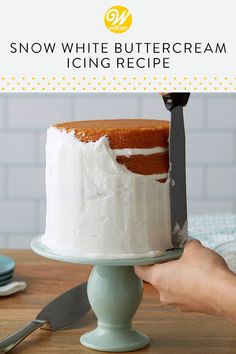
column 213, row 229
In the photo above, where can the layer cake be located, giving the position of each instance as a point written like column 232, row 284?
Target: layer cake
column 108, row 188
column 141, row 145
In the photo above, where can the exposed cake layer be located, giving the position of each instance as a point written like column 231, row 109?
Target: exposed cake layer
column 122, row 133
column 141, row 145
column 146, row 164
column 96, row 207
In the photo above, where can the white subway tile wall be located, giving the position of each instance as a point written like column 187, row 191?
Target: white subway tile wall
column 17, row 216
column 211, row 151
column 210, row 147
column 221, row 182
column 41, row 215
column 41, row 147
column 221, row 113
column 2, row 112
column 2, row 178
column 26, row 182
column 195, row 178
column 94, row 107
column 34, row 113
column 23, row 154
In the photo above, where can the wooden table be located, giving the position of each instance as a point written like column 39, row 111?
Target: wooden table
column 170, row 331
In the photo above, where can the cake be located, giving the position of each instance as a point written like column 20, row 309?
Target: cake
column 141, row 145
column 107, row 189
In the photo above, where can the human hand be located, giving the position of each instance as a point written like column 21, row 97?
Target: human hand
column 196, row 282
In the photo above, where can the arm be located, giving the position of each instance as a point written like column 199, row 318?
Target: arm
column 200, row 281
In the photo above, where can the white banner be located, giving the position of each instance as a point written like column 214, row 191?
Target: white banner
column 109, row 46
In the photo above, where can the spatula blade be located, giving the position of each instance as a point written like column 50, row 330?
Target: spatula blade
column 177, row 173
column 66, row 309
column 175, row 102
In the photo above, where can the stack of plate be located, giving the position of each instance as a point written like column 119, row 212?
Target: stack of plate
column 7, row 267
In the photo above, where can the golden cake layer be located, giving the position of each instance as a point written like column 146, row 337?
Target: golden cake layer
column 122, row 133
column 146, row 165
column 128, row 133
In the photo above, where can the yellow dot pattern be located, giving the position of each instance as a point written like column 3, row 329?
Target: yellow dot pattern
column 117, row 83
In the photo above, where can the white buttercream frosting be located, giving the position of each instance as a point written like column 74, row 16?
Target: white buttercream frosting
column 98, row 208
column 143, row 151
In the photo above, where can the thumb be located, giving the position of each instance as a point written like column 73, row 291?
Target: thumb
column 145, row 272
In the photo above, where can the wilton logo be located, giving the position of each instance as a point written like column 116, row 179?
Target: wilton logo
column 118, row 19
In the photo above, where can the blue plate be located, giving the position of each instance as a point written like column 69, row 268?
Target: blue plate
column 6, row 276
column 7, row 265
column 5, row 282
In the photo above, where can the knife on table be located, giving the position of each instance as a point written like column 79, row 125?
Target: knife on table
column 61, row 313
column 175, row 102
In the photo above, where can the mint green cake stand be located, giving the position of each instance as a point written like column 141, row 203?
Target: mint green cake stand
column 114, row 292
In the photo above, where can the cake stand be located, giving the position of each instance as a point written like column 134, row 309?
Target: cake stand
column 114, row 292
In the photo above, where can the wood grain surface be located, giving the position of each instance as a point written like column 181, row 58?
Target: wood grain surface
column 171, row 332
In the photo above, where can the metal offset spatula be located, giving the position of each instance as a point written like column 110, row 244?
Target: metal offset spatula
column 61, row 313
column 178, row 199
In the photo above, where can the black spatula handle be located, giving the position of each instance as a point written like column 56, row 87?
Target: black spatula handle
column 175, row 99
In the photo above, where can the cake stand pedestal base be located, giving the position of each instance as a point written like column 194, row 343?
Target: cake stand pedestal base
column 114, row 292
column 109, row 341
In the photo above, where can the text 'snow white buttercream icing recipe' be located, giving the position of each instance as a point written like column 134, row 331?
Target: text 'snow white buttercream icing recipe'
column 134, row 47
